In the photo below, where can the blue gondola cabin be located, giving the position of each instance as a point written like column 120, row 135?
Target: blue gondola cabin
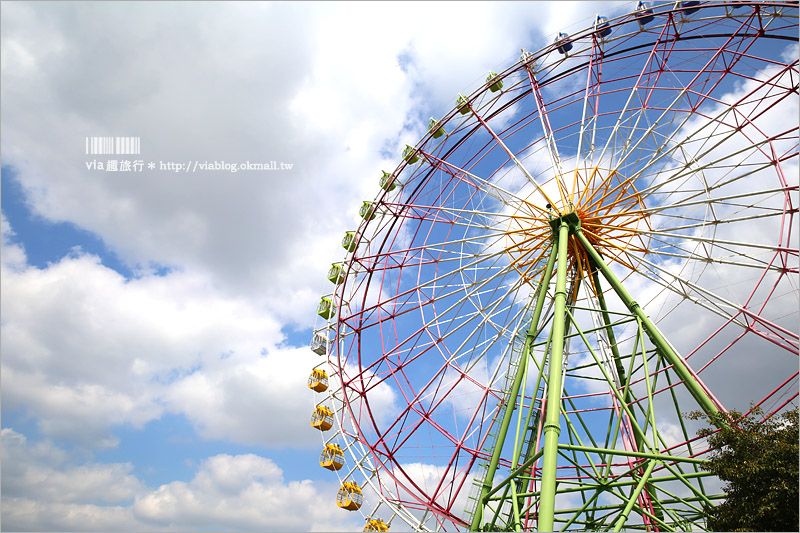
column 644, row 15
column 690, row 7
column 563, row 44
column 602, row 27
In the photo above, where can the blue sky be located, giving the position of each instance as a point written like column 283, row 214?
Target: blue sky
column 155, row 323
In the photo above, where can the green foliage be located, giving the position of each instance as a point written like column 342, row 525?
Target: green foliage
column 759, row 462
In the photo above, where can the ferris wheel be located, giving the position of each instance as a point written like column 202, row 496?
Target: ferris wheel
column 595, row 242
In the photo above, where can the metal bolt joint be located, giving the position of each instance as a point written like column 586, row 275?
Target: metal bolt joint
column 552, row 427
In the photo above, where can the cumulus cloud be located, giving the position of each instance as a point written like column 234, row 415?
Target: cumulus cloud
column 333, row 90
column 45, row 488
column 86, row 350
column 242, row 493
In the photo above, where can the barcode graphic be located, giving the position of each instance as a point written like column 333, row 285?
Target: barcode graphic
column 113, row 145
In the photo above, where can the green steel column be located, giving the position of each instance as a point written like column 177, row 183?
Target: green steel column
column 664, row 348
column 552, row 425
column 513, row 393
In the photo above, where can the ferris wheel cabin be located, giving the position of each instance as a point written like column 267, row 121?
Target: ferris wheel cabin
column 349, row 496
column 322, row 418
column 331, row 457
column 318, row 380
column 376, row 525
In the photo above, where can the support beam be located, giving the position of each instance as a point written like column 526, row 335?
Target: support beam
column 552, row 425
column 664, row 348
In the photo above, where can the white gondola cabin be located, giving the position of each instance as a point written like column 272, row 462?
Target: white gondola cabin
column 318, row 380
column 349, row 496
column 320, row 344
column 322, row 418
column 331, row 457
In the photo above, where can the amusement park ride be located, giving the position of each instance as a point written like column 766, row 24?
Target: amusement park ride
column 570, row 260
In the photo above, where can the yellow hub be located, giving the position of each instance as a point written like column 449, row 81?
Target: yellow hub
column 609, row 210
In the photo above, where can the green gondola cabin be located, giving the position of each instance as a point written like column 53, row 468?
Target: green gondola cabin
column 367, row 211
column 387, row 182
column 462, row 104
column 349, row 242
column 494, row 86
column 435, row 129
column 326, row 308
column 410, row 155
column 336, row 274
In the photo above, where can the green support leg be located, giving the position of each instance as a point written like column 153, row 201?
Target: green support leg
column 552, row 426
column 658, row 340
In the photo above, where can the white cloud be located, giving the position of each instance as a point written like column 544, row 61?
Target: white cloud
column 85, row 350
column 321, row 88
column 45, row 489
column 41, row 471
column 242, row 493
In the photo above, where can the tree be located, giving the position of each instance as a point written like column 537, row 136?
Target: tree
column 758, row 460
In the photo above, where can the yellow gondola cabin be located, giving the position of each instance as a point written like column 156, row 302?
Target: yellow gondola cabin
column 349, row 496
column 322, row 419
column 331, row 457
column 318, row 380
column 376, row 525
